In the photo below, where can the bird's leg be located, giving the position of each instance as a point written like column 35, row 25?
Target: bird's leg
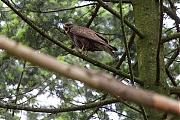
column 82, row 49
column 86, row 53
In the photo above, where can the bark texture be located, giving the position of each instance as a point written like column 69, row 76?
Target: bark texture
column 147, row 20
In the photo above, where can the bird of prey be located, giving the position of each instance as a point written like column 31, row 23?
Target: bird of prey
column 87, row 40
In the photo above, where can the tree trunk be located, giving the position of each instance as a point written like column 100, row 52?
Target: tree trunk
column 147, row 20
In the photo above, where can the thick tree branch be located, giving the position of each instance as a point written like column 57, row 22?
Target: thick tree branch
column 57, row 42
column 105, row 6
column 95, row 79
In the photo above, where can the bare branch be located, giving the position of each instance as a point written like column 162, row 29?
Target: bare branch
column 95, row 79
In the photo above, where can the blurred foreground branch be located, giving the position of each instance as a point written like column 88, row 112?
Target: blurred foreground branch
column 94, row 79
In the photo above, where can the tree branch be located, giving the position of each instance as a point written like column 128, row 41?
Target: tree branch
column 105, row 6
column 50, row 11
column 171, row 77
column 58, row 110
column 165, row 9
column 93, row 15
column 126, row 45
column 171, row 14
column 18, row 86
column 173, row 57
column 175, row 90
column 131, row 41
column 158, row 66
column 170, row 37
column 95, row 79
column 113, row 1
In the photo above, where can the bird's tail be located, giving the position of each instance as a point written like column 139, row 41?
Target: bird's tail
column 109, row 50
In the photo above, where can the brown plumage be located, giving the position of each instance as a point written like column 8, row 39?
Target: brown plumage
column 87, row 39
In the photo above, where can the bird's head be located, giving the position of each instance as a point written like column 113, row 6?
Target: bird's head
column 67, row 26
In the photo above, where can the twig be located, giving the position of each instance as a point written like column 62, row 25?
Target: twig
column 143, row 112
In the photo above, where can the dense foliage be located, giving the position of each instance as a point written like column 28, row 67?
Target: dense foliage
column 25, row 84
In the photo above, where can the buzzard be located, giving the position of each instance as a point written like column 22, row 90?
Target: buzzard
column 87, row 40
